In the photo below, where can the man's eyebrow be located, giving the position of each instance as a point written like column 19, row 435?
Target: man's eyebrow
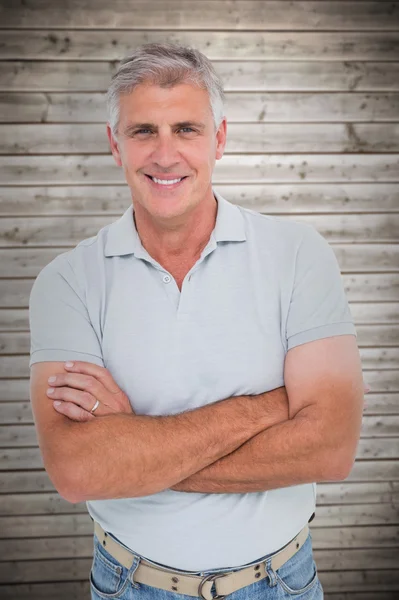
column 134, row 126
column 196, row 124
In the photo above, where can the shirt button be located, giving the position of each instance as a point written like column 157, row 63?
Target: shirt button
column 166, row 279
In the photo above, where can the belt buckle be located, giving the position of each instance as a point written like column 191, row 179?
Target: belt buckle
column 211, row 577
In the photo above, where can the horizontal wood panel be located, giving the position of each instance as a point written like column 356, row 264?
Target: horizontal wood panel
column 242, row 14
column 356, row 493
column 372, row 335
column 14, row 412
column 24, row 435
column 268, row 76
column 306, row 107
column 264, row 198
column 22, row 482
column 362, row 596
column 14, row 293
column 370, row 286
column 244, row 138
column 82, row 546
column 342, row 493
column 383, row 378
column 366, row 313
column 354, row 537
column 45, row 570
column 375, row 404
column 29, row 480
column 275, row 168
column 232, row 45
column 27, row 262
column 78, row 569
column 378, row 358
column 56, row 525
column 66, row 590
column 348, row 560
column 69, row 231
column 81, row 589
column 379, row 312
column 14, row 389
column 26, row 458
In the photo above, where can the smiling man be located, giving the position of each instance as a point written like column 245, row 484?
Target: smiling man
column 194, row 365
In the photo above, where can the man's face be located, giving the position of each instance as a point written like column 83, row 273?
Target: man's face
column 169, row 134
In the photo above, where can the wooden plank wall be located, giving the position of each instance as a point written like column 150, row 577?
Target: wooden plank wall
column 313, row 106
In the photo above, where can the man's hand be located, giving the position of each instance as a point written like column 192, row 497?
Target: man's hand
column 78, row 390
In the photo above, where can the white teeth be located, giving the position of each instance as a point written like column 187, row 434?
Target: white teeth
column 166, row 181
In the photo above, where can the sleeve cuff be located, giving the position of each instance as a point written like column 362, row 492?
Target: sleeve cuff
column 324, row 331
column 63, row 355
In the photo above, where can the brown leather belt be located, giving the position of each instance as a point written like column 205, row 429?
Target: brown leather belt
column 197, row 585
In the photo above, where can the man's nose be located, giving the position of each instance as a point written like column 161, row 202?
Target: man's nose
column 165, row 152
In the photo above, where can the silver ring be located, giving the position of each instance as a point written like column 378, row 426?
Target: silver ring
column 95, row 406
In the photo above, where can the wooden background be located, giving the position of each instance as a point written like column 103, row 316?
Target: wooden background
column 313, row 106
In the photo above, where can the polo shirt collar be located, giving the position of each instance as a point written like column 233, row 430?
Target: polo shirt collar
column 123, row 237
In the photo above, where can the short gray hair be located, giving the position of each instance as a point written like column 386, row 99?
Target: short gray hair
column 165, row 65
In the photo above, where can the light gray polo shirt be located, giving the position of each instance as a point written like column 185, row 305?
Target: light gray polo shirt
column 262, row 285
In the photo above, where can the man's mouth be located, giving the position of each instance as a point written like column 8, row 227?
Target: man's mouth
column 166, row 182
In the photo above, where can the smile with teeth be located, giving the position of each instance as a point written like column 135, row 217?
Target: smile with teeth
column 166, row 181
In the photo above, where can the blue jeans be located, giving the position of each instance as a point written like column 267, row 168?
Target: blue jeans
column 297, row 578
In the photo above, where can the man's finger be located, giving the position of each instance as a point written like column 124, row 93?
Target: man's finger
column 79, row 381
column 72, row 411
column 100, row 373
column 83, row 400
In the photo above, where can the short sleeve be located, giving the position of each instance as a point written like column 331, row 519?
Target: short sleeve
column 318, row 306
column 60, row 327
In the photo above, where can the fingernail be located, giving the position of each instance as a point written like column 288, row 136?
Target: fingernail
column 57, row 402
column 50, row 390
column 69, row 364
column 51, row 379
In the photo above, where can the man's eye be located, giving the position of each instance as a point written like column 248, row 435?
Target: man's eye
column 186, row 129
column 142, row 131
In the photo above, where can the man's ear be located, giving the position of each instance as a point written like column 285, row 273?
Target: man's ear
column 114, row 146
column 221, row 138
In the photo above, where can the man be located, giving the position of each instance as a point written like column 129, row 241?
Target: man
column 214, row 372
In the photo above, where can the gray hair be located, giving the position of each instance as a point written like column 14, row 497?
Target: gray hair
column 165, row 65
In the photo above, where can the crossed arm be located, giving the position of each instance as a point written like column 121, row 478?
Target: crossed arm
column 318, row 442
column 315, row 439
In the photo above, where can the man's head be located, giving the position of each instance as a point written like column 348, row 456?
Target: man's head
column 166, row 121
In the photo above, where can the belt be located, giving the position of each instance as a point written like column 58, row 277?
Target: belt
column 197, row 585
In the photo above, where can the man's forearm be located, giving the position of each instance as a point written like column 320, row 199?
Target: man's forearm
column 157, row 452
column 292, row 452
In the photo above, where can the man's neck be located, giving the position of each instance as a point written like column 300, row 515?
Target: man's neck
column 180, row 243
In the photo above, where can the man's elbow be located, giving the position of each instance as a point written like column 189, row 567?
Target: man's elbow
column 64, row 477
column 338, row 465
column 340, row 471
column 70, row 491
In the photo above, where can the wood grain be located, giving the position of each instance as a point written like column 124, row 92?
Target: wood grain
column 110, row 45
column 268, row 76
column 27, row 139
column 251, row 107
column 277, row 198
column 231, row 169
column 241, row 14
